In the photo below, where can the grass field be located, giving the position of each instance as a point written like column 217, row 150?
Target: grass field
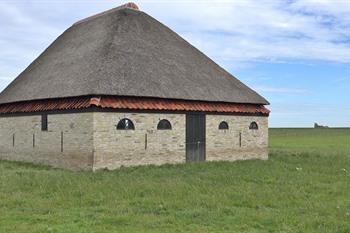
column 303, row 187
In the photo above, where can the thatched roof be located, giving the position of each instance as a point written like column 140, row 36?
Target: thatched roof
column 125, row 52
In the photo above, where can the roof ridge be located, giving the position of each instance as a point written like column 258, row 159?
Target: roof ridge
column 129, row 5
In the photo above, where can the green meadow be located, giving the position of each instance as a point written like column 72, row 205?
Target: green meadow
column 303, row 187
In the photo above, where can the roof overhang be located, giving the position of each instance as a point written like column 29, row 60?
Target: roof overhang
column 132, row 103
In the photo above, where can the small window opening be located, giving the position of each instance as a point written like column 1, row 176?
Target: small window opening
column 223, row 125
column 253, row 126
column 125, row 124
column 164, row 125
column 44, row 123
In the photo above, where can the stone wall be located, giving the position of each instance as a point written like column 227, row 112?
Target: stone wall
column 238, row 142
column 91, row 141
column 144, row 145
column 147, row 145
column 21, row 139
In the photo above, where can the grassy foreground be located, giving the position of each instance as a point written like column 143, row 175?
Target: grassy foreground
column 303, row 187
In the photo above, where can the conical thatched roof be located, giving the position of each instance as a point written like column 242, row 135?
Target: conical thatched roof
column 125, row 52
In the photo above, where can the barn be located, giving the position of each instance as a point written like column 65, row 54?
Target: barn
column 121, row 89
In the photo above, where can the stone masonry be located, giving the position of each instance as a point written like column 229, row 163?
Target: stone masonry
column 90, row 141
column 67, row 143
column 144, row 145
column 238, row 142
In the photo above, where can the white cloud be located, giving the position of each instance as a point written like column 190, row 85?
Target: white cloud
column 234, row 33
column 231, row 32
column 22, row 38
column 264, row 30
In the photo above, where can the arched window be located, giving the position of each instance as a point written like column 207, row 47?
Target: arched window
column 164, row 125
column 125, row 124
column 223, row 125
column 253, row 126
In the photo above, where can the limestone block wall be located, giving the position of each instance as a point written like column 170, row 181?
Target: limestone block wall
column 238, row 142
column 147, row 145
column 67, row 143
column 144, row 145
column 91, row 140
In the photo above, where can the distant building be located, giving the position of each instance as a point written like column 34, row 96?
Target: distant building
column 120, row 89
column 319, row 126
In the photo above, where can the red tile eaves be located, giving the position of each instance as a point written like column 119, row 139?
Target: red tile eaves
column 134, row 103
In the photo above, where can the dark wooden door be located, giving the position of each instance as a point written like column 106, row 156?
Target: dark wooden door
column 195, row 137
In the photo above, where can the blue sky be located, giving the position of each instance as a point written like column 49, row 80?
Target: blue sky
column 296, row 53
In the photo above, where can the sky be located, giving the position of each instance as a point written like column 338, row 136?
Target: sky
column 295, row 53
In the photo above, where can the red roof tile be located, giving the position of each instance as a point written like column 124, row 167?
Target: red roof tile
column 134, row 103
